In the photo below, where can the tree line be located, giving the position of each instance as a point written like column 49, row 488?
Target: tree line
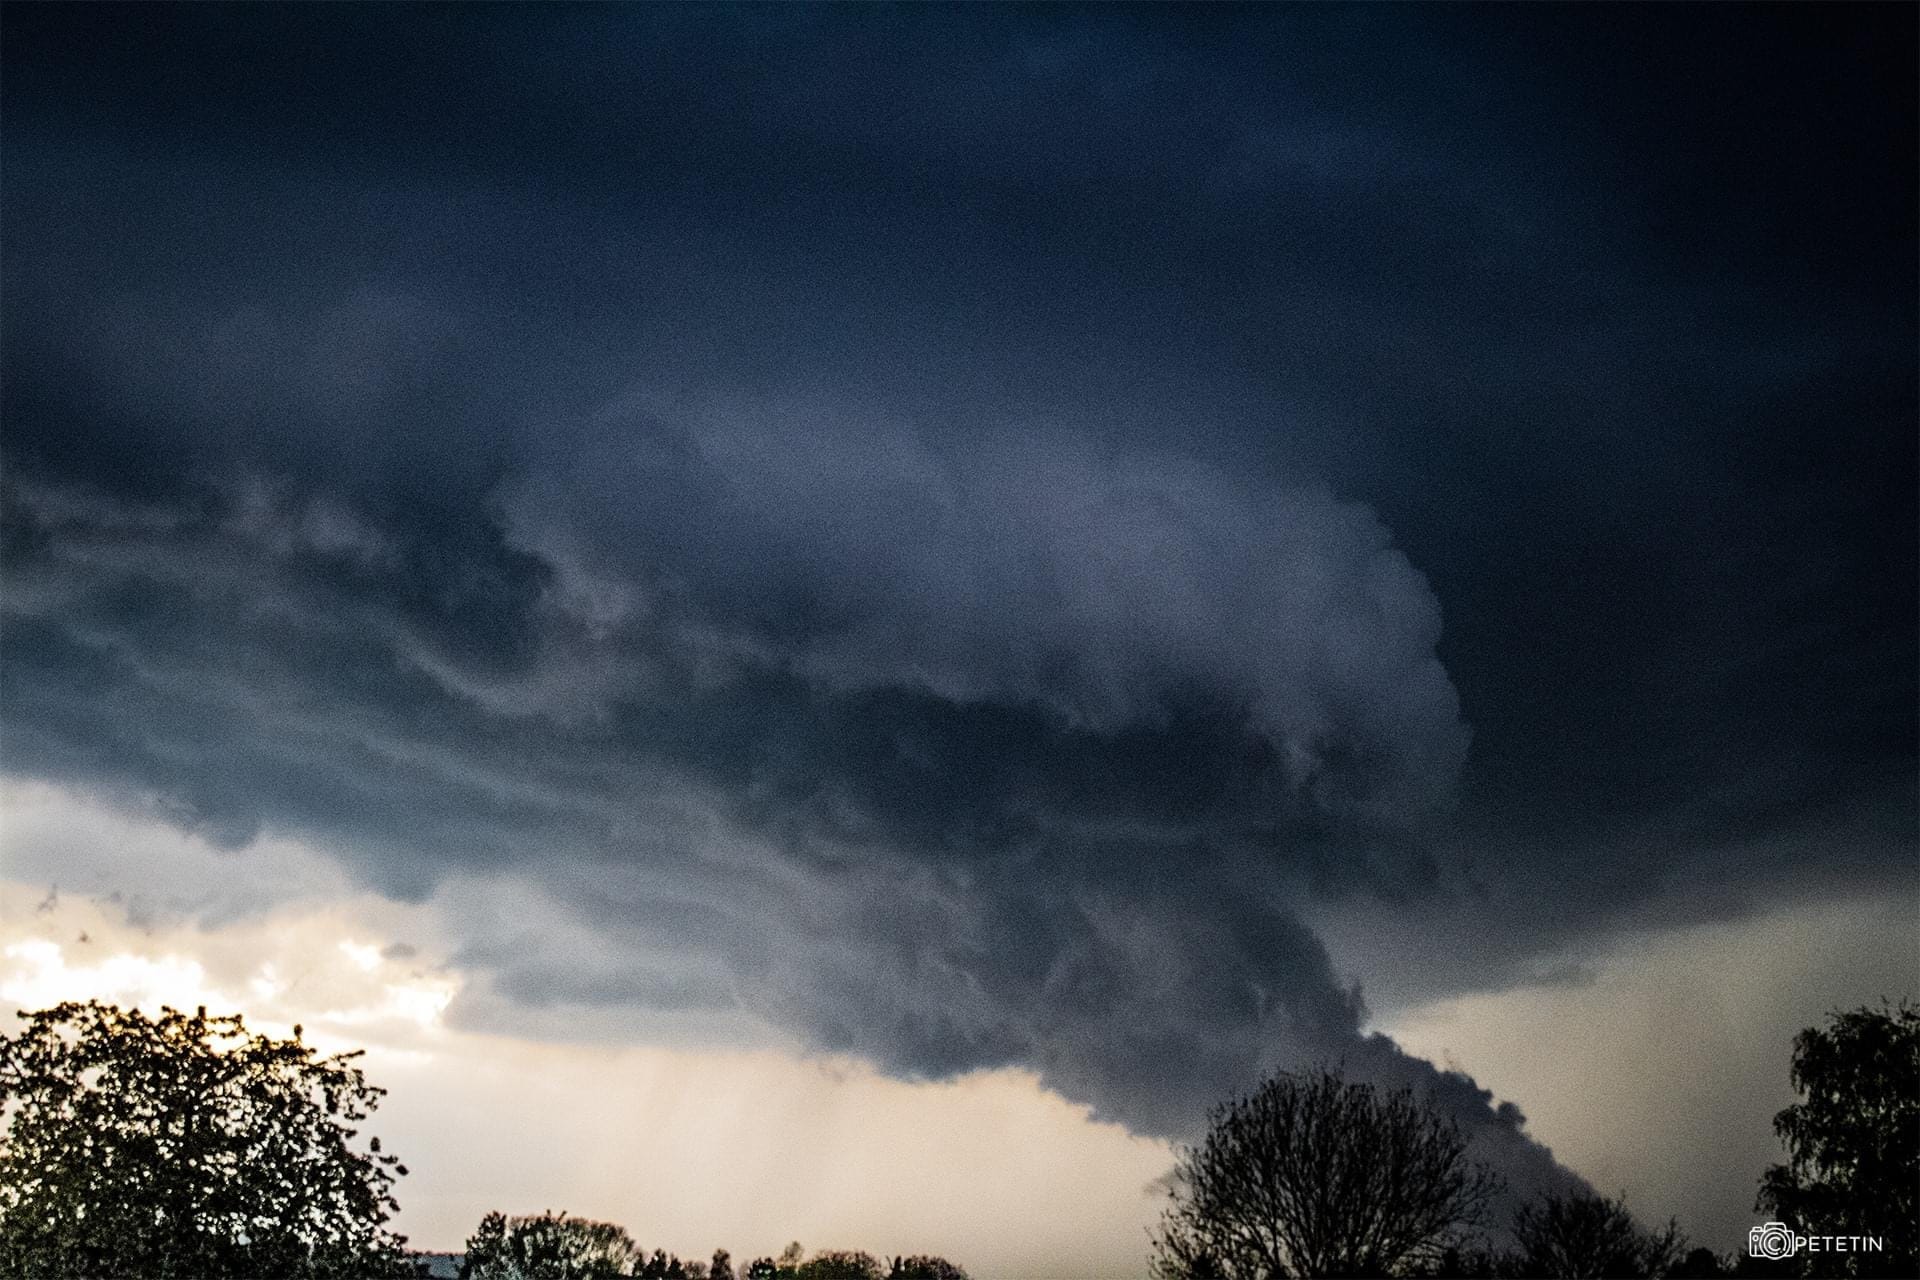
column 1315, row 1175
column 188, row 1146
column 558, row 1246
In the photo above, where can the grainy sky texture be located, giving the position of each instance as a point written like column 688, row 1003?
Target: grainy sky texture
column 1081, row 553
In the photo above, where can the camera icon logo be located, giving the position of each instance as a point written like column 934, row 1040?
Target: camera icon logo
column 1772, row 1240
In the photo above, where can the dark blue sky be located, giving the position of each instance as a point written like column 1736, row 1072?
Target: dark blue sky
column 1030, row 478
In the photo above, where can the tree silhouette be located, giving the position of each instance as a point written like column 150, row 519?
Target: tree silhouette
column 186, row 1146
column 840, row 1264
column 1311, row 1175
column 846, row 1264
column 1700, row 1263
column 663, row 1266
column 1583, row 1236
column 550, row 1246
column 1457, row 1262
column 721, row 1268
column 786, row 1267
column 1853, row 1141
column 922, row 1266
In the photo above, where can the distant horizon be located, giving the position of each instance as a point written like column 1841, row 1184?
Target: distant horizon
column 831, row 622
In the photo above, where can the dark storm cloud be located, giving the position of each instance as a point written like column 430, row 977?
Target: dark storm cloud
column 885, row 513
column 731, row 729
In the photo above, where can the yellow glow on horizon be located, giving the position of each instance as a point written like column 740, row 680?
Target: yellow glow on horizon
column 38, row 974
column 690, row 1147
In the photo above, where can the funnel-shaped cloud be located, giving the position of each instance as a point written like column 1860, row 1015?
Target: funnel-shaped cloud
column 950, row 757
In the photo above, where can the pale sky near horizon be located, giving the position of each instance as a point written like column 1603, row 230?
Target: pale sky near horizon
column 701, row 1145
column 689, row 1147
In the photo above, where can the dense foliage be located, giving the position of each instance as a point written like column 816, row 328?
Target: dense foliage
column 1853, row 1141
column 185, row 1145
column 548, row 1246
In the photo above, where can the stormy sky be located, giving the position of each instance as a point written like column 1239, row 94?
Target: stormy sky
column 1129, row 547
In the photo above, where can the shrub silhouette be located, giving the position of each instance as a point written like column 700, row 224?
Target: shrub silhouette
column 840, row 1264
column 556, row 1246
column 922, row 1266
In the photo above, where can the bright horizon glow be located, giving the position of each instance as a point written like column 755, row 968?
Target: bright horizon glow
column 690, row 1147
column 694, row 1146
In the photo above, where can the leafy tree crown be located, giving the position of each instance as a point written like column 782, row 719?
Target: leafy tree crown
column 186, row 1145
column 1853, row 1139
